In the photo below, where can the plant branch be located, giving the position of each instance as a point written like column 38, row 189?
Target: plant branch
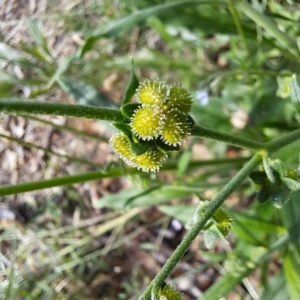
column 95, row 175
column 60, row 109
column 211, row 208
column 226, row 138
column 282, row 141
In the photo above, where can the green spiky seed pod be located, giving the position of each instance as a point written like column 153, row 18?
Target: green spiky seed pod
column 180, row 98
column 224, row 221
column 150, row 160
column 120, row 144
column 169, row 292
column 175, row 127
column 147, row 122
column 152, row 91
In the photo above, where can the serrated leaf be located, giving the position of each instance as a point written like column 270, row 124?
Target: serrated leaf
column 295, row 93
column 85, row 94
column 132, row 85
column 290, row 216
column 292, row 275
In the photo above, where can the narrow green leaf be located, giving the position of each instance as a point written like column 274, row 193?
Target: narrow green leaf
column 270, row 26
column 33, row 26
column 253, row 222
column 133, row 83
column 290, row 216
column 276, row 288
column 85, row 94
column 60, row 70
column 119, row 26
column 295, row 93
column 224, row 285
column 183, row 162
column 292, row 275
column 152, row 197
column 10, row 54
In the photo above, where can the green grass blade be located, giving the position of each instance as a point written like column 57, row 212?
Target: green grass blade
column 133, row 83
column 292, row 274
column 224, row 285
column 33, row 27
column 119, row 26
column 290, row 216
column 276, row 288
column 270, row 26
column 85, row 94
column 295, row 93
column 60, row 70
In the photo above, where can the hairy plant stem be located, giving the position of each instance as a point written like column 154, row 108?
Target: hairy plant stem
column 226, row 138
column 60, row 109
column 96, row 175
column 188, row 239
column 282, row 141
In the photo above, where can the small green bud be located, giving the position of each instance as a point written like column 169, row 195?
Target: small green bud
column 175, row 127
column 180, row 98
column 169, row 292
column 150, row 160
column 120, row 144
column 152, row 92
column 146, row 122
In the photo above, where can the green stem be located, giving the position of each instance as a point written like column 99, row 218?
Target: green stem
column 67, row 128
column 95, row 175
column 60, row 181
column 226, row 138
column 282, row 141
column 60, row 109
column 33, row 146
column 186, row 242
